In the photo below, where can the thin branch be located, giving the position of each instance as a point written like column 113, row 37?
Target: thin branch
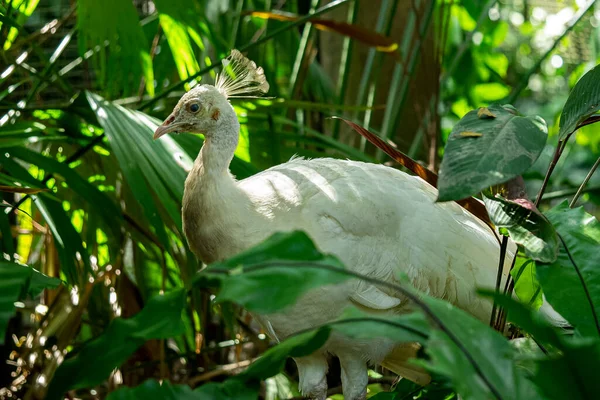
column 559, row 149
column 568, row 192
column 408, row 293
column 503, row 247
column 585, row 181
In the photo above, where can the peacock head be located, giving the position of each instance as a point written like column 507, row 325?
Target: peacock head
column 201, row 109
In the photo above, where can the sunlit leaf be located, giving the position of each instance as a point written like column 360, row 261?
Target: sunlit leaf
column 508, row 146
column 583, row 101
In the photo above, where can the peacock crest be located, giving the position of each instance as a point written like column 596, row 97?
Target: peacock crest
column 241, row 77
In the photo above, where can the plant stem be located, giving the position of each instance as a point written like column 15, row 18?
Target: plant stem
column 503, row 247
column 568, row 192
column 585, row 181
column 525, row 80
column 559, row 149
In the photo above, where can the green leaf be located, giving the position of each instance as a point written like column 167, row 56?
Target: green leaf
column 273, row 274
column 354, row 323
column 159, row 319
column 571, row 284
column 148, row 166
column 67, row 240
column 583, row 101
column 482, row 366
column 509, row 144
column 152, row 389
column 115, row 22
column 528, row 319
column 573, row 376
column 527, row 286
column 16, row 281
column 101, row 203
column 526, row 225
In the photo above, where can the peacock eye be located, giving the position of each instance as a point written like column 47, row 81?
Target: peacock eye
column 194, row 107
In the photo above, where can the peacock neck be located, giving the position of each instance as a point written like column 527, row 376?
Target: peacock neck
column 219, row 147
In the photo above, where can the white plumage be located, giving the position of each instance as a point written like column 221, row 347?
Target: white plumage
column 378, row 220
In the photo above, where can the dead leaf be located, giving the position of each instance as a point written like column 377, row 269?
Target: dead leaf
column 371, row 38
column 484, row 112
column 19, row 189
column 470, row 134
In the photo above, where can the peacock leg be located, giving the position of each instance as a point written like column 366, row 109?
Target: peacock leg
column 354, row 377
column 312, row 371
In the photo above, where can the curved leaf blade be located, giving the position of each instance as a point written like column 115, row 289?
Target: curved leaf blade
column 526, row 225
column 572, row 283
column 583, row 101
column 509, row 144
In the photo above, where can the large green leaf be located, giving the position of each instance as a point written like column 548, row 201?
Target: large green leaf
column 412, row 327
column 572, row 283
column 273, row 274
column 152, row 389
column 572, row 376
column 477, row 359
column 526, row 225
column 148, row 166
column 159, row 319
column 489, row 147
column 115, row 22
column 16, row 281
column 583, row 101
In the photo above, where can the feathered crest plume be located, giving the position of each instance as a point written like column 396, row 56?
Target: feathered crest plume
column 240, row 77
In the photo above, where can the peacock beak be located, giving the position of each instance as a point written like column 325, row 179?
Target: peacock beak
column 167, row 127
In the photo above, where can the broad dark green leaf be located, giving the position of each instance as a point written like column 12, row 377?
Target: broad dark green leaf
column 273, row 274
column 572, row 283
column 485, row 150
column 152, row 389
column 16, row 281
column 159, row 319
column 583, row 101
column 354, row 323
column 482, row 367
column 572, row 376
column 526, row 225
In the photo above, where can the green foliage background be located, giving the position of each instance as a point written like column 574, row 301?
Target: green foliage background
column 91, row 205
